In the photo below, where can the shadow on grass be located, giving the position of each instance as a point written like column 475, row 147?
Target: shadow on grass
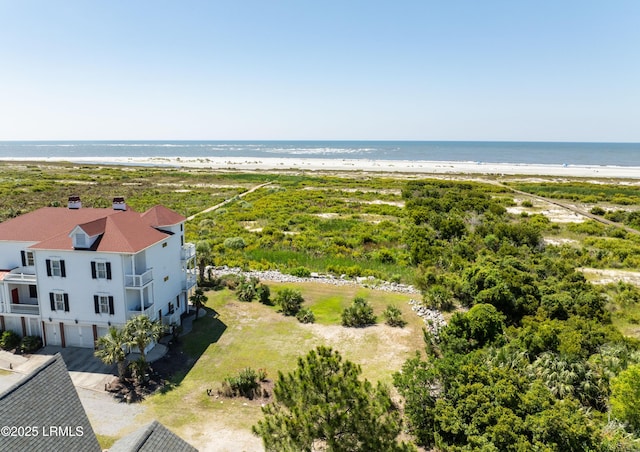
column 182, row 356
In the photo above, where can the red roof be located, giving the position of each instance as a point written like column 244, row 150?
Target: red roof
column 119, row 231
column 159, row 216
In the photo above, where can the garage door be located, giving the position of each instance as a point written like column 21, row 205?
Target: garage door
column 78, row 336
column 102, row 331
column 53, row 334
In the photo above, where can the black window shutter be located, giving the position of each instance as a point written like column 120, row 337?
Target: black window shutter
column 48, row 267
column 178, row 301
column 24, row 258
column 66, row 302
column 63, row 272
column 111, row 310
column 93, row 271
column 52, row 300
column 108, row 270
column 96, row 303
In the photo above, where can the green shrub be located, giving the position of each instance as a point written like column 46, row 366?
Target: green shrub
column 359, row 314
column 597, row 210
column 9, row 340
column 264, row 294
column 30, row 344
column 526, row 203
column 244, row 384
column 393, row 316
column 234, row 243
column 300, row 272
column 305, row 315
column 289, row 301
column 246, row 290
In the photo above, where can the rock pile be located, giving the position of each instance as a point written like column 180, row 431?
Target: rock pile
column 343, row 280
column 433, row 319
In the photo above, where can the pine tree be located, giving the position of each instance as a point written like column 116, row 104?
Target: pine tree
column 323, row 405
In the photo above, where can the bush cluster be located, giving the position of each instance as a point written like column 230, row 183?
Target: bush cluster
column 9, row 340
column 359, row 314
column 393, row 316
column 289, row 301
column 305, row 315
column 245, row 384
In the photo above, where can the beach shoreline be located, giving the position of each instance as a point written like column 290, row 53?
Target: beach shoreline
column 363, row 165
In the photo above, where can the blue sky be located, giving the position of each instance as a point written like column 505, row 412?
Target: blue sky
column 399, row 70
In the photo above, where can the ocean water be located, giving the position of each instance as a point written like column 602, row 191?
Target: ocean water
column 599, row 154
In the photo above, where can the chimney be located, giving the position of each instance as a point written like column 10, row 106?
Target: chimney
column 74, row 202
column 119, row 204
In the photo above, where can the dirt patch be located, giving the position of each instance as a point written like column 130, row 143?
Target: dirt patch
column 558, row 241
column 606, row 276
column 337, row 336
column 556, row 214
column 219, row 438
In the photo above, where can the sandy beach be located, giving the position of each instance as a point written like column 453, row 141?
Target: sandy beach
column 382, row 166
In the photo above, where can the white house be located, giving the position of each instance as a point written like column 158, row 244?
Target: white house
column 69, row 274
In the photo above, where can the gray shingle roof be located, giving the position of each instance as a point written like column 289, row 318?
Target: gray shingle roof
column 154, row 437
column 46, row 412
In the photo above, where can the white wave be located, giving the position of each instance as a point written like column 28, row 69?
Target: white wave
column 318, row 151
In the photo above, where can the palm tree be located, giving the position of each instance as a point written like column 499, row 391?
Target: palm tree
column 142, row 331
column 203, row 257
column 110, row 349
column 198, row 299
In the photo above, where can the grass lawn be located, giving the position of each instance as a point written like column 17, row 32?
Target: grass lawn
column 235, row 335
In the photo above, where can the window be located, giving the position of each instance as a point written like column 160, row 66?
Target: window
column 103, row 304
column 166, row 278
column 164, row 245
column 170, row 309
column 101, row 270
column 81, row 241
column 33, row 291
column 59, row 301
column 56, row 267
column 27, row 258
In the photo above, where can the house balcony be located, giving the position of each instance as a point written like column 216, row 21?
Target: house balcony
column 188, row 251
column 29, row 309
column 190, row 281
column 138, row 281
column 148, row 311
column 21, row 275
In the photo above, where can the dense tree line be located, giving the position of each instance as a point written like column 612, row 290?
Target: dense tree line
column 530, row 364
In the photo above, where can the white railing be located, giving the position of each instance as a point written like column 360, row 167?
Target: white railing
column 138, row 280
column 32, row 309
column 189, row 281
column 188, row 251
column 24, row 277
column 148, row 311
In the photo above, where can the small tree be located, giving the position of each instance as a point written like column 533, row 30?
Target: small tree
column 264, row 293
column 247, row 289
column 289, row 301
column 359, row 314
column 393, row 316
column 142, row 331
column 203, row 257
column 198, row 299
column 323, row 405
column 305, row 315
column 111, row 349
column 625, row 396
